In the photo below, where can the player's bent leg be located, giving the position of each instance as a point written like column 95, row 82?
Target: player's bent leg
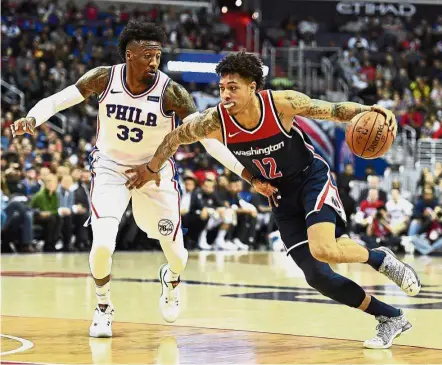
column 324, row 247
column 162, row 221
column 100, row 261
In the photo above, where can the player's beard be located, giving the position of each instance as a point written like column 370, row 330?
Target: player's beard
column 148, row 78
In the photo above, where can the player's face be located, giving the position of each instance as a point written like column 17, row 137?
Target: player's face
column 236, row 93
column 144, row 59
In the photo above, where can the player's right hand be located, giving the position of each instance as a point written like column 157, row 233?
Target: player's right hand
column 265, row 188
column 140, row 176
column 23, row 126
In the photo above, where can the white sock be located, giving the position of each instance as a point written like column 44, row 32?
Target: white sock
column 221, row 234
column 103, row 293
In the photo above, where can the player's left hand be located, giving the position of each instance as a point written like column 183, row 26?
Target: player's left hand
column 390, row 119
column 141, row 175
column 267, row 189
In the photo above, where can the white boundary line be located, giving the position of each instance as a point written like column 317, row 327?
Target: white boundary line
column 25, row 345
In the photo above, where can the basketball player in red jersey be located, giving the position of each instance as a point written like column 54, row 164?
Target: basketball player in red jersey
column 260, row 129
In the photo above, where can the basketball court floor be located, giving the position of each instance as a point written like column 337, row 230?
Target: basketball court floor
column 237, row 308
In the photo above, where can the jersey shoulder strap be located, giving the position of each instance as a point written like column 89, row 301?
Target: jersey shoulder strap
column 271, row 111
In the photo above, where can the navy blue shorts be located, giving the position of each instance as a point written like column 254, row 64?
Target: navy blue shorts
column 309, row 198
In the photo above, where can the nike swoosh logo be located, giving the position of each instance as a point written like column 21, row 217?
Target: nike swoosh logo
column 115, row 92
column 234, row 134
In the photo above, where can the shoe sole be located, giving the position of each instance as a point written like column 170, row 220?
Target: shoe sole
column 387, row 250
column 100, row 335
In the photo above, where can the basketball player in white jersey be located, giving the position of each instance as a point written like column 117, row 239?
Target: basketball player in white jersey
column 137, row 108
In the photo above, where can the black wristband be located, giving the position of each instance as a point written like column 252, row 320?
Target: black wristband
column 153, row 172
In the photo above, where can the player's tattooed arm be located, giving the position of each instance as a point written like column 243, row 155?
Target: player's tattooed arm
column 338, row 112
column 291, row 103
column 94, row 81
column 196, row 127
column 178, row 100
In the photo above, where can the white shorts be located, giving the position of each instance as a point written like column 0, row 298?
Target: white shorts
column 156, row 209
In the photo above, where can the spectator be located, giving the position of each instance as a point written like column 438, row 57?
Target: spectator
column 386, row 101
column 16, row 223
column 209, row 214
column 369, row 72
column 81, row 208
column 244, row 232
column 400, row 211
column 30, row 182
column 347, row 176
column 65, row 209
column 432, row 240
column 307, row 30
column 379, row 231
column 373, row 183
column 412, row 118
column 187, row 218
column 45, row 204
column 423, row 212
column 420, row 89
column 367, row 210
column 436, row 93
column 348, row 203
column 358, row 42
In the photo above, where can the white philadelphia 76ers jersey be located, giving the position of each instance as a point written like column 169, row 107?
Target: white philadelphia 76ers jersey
column 131, row 127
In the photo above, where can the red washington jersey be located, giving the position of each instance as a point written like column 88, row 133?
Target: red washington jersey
column 267, row 150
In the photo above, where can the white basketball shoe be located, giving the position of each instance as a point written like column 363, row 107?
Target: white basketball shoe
column 170, row 295
column 400, row 273
column 102, row 323
column 387, row 330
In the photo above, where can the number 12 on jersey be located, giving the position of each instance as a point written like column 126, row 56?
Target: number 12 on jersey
column 273, row 174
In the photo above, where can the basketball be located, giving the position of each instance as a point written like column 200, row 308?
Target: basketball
column 367, row 135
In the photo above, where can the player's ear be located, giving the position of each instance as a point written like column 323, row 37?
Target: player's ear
column 253, row 87
column 128, row 54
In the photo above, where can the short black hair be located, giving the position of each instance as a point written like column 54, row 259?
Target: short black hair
column 139, row 31
column 247, row 65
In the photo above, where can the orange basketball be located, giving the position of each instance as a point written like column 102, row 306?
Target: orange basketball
column 367, row 135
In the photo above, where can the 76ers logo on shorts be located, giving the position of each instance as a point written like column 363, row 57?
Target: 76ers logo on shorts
column 165, row 227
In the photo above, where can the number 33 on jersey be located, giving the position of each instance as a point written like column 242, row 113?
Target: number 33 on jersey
column 131, row 127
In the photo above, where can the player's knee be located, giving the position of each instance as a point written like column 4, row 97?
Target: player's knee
column 103, row 246
column 324, row 251
column 322, row 243
column 100, row 260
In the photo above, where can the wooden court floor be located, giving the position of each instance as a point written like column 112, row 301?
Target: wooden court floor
column 252, row 308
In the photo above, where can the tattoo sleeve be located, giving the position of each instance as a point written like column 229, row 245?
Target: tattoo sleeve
column 301, row 104
column 196, row 127
column 338, row 112
column 178, row 100
column 94, row 81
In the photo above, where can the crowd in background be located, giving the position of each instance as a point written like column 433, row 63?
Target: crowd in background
column 46, row 179
column 392, row 61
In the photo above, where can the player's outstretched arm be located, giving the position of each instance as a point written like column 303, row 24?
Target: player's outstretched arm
column 195, row 127
column 93, row 82
column 291, row 103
